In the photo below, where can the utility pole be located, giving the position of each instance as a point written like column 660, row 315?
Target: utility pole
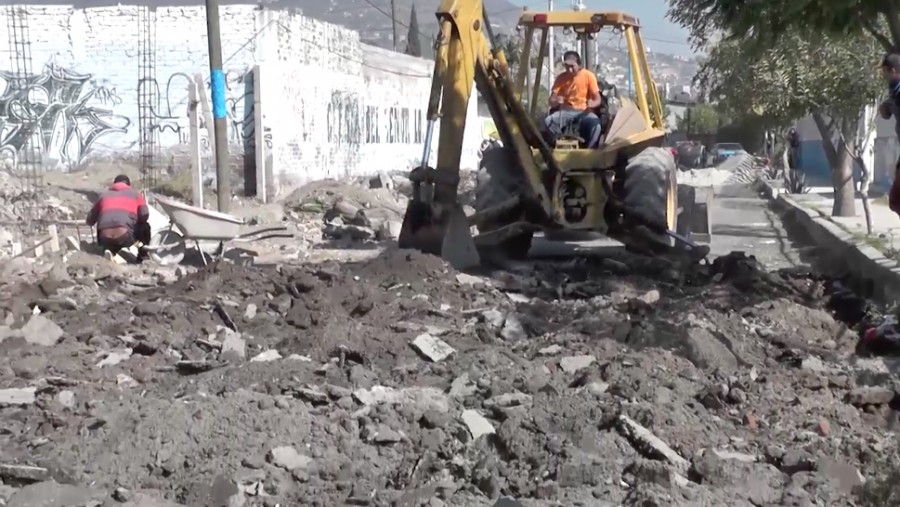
column 394, row 26
column 217, row 87
column 551, row 62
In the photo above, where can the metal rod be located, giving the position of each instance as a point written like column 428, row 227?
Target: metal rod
column 217, row 86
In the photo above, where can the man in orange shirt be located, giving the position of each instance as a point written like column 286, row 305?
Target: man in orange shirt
column 574, row 95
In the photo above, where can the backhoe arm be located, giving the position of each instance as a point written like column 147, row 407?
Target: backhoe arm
column 434, row 221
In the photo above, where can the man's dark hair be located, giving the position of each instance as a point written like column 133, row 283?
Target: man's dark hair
column 122, row 179
column 891, row 61
column 572, row 54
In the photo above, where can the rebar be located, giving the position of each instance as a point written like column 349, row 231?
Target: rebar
column 27, row 164
column 148, row 98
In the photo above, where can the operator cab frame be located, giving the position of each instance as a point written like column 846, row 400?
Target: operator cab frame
column 586, row 24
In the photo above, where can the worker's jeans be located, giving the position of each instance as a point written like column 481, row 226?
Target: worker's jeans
column 589, row 127
column 140, row 233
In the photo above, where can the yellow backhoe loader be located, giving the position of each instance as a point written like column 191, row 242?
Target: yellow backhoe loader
column 625, row 188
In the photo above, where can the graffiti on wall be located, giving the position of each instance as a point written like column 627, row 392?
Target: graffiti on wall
column 169, row 115
column 58, row 113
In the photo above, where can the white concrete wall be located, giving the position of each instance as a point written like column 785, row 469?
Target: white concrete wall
column 327, row 113
column 365, row 116
column 85, row 78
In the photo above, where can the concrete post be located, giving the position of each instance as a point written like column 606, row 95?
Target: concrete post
column 217, row 86
column 259, row 140
column 196, row 159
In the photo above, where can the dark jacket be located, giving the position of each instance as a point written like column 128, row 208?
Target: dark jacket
column 120, row 206
column 893, row 105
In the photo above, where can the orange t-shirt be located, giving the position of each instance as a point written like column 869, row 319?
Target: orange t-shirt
column 576, row 89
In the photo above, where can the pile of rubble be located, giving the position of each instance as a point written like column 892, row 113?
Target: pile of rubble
column 365, row 209
column 398, row 381
column 19, row 201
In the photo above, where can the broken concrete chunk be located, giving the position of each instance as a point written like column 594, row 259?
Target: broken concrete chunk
column 512, row 329
column 421, row 398
column 263, row 357
column 471, row 280
column 24, row 473
column 384, row 435
column 288, row 458
column 649, row 297
column 813, row 364
column 515, row 297
column 233, row 345
column 41, row 331
column 493, row 318
column 477, row 424
column 507, row 400
column 313, row 395
column 66, row 398
column 115, row 357
column 572, row 364
column 17, row 396
column 389, row 229
column 870, row 395
column 125, row 380
column 550, row 350
column 461, row 387
column 433, row 348
column 649, row 444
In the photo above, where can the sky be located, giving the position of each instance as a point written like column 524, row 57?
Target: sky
column 660, row 34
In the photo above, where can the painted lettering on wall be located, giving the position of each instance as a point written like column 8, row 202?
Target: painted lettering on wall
column 57, row 113
column 344, row 126
column 394, row 125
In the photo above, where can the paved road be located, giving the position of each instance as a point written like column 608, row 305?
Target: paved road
column 741, row 220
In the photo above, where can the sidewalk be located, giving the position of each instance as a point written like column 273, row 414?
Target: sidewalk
column 872, row 260
column 885, row 223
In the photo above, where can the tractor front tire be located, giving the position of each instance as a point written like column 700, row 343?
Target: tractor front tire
column 498, row 180
column 650, row 191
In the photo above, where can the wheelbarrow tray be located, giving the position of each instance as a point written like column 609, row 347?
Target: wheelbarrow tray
column 190, row 223
column 198, row 224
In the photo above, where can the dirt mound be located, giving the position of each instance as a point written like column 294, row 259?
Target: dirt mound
column 300, row 385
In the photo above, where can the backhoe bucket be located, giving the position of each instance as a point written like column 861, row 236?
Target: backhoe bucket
column 444, row 232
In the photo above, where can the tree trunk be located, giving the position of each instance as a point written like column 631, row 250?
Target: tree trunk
column 840, row 160
column 842, row 177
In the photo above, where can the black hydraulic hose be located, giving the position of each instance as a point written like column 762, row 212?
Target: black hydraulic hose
column 488, row 28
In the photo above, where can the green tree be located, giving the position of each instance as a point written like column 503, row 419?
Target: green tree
column 829, row 77
column 766, row 20
column 699, row 120
column 413, row 37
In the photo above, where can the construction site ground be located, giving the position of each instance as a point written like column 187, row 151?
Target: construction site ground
column 342, row 371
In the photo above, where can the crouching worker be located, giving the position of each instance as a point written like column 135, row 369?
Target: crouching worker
column 121, row 216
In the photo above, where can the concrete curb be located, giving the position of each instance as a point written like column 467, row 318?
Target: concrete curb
column 875, row 276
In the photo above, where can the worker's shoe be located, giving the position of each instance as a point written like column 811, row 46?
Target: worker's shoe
column 116, row 258
column 130, row 254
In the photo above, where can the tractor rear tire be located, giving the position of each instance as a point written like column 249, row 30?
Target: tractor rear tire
column 498, row 180
column 651, row 190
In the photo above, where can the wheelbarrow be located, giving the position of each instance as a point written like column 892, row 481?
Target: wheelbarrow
column 190, row 223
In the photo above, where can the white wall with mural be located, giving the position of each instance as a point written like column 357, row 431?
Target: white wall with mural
column 338, row 106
